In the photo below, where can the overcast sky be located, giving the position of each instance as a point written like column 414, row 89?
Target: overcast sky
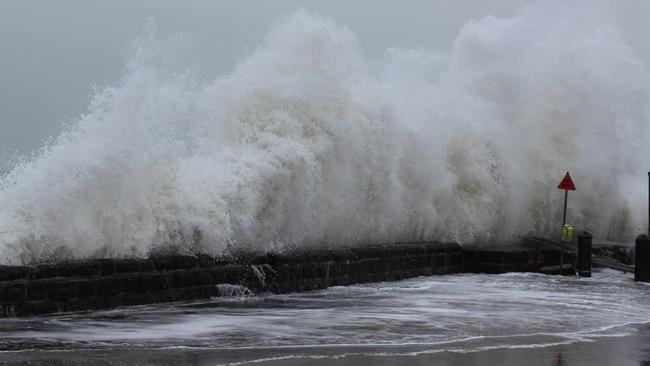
column 54, row 51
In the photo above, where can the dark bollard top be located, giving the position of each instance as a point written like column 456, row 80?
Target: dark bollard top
column 642, row 237
column 586, row 235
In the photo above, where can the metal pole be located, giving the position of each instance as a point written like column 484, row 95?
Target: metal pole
column 648, row 203
column 566, row 196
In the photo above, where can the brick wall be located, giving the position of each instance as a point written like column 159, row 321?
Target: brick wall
column 106, row 283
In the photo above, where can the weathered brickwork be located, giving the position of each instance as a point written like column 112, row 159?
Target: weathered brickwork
column 106, row 283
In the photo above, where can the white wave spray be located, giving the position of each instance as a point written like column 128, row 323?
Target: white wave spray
column 310, row 142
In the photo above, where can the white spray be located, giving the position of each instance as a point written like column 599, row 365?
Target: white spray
column 310, row 142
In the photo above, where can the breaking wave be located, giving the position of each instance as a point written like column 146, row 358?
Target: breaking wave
column 311, row 142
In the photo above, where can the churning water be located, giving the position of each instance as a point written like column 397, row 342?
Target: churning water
column 309, row 141
column 427, row 315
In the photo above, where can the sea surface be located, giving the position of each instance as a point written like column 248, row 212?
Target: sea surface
column 467, row 319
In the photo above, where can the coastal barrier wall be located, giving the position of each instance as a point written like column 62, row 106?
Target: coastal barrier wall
column 108, row 283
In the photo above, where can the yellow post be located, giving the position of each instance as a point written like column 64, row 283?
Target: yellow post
column 567, row 233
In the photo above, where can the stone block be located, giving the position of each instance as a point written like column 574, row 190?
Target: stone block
column 127, row 266
column 13, row 292
column 10, row 273
column 46, row 271
column 131, row 283
column 322, row 256
column 441, row 260
column 455, row 259
column 37, row 291
column 217, row 274
column 270, row 259
column 106, row 267
column 342, row 255
column 61, row 291
column 80, row 269
column 152, row 282
column 396, row 263
column 309, row 270
column 236, row 273
column 40, row 308
column 174, row 262
column 394, row 251
column 323, row 270
column 282, row 273
column 204, row 261
column 109, row 286
column 86, row 288
column 180, row 278
column 147, row 265
column 202, row 277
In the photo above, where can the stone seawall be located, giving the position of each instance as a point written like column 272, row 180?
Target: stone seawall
column 107, row 283
column 534, row 259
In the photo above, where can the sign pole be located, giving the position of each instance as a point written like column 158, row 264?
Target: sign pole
column 648, row 203
column 567, row 185
column 566, row 197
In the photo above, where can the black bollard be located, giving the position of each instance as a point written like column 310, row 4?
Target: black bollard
column 642, row 259
column 584, row 254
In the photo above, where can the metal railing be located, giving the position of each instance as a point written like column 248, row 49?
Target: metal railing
column 599, row 261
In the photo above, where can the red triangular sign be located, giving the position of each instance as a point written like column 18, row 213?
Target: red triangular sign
column 567, row 183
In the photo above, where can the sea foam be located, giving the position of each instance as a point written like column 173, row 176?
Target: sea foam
column 309, row 141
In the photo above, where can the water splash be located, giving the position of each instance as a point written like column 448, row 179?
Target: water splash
column 310, row 142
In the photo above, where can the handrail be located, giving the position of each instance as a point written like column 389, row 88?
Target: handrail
column 596, row 259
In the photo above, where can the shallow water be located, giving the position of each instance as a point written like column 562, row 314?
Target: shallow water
column 422, row 316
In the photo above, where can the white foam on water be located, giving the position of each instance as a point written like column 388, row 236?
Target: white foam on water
column 463, row 313
column 311, row 142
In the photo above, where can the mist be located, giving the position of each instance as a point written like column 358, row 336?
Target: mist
column 316, row 131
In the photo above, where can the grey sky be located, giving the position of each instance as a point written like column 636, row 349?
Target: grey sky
column 53, row 52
